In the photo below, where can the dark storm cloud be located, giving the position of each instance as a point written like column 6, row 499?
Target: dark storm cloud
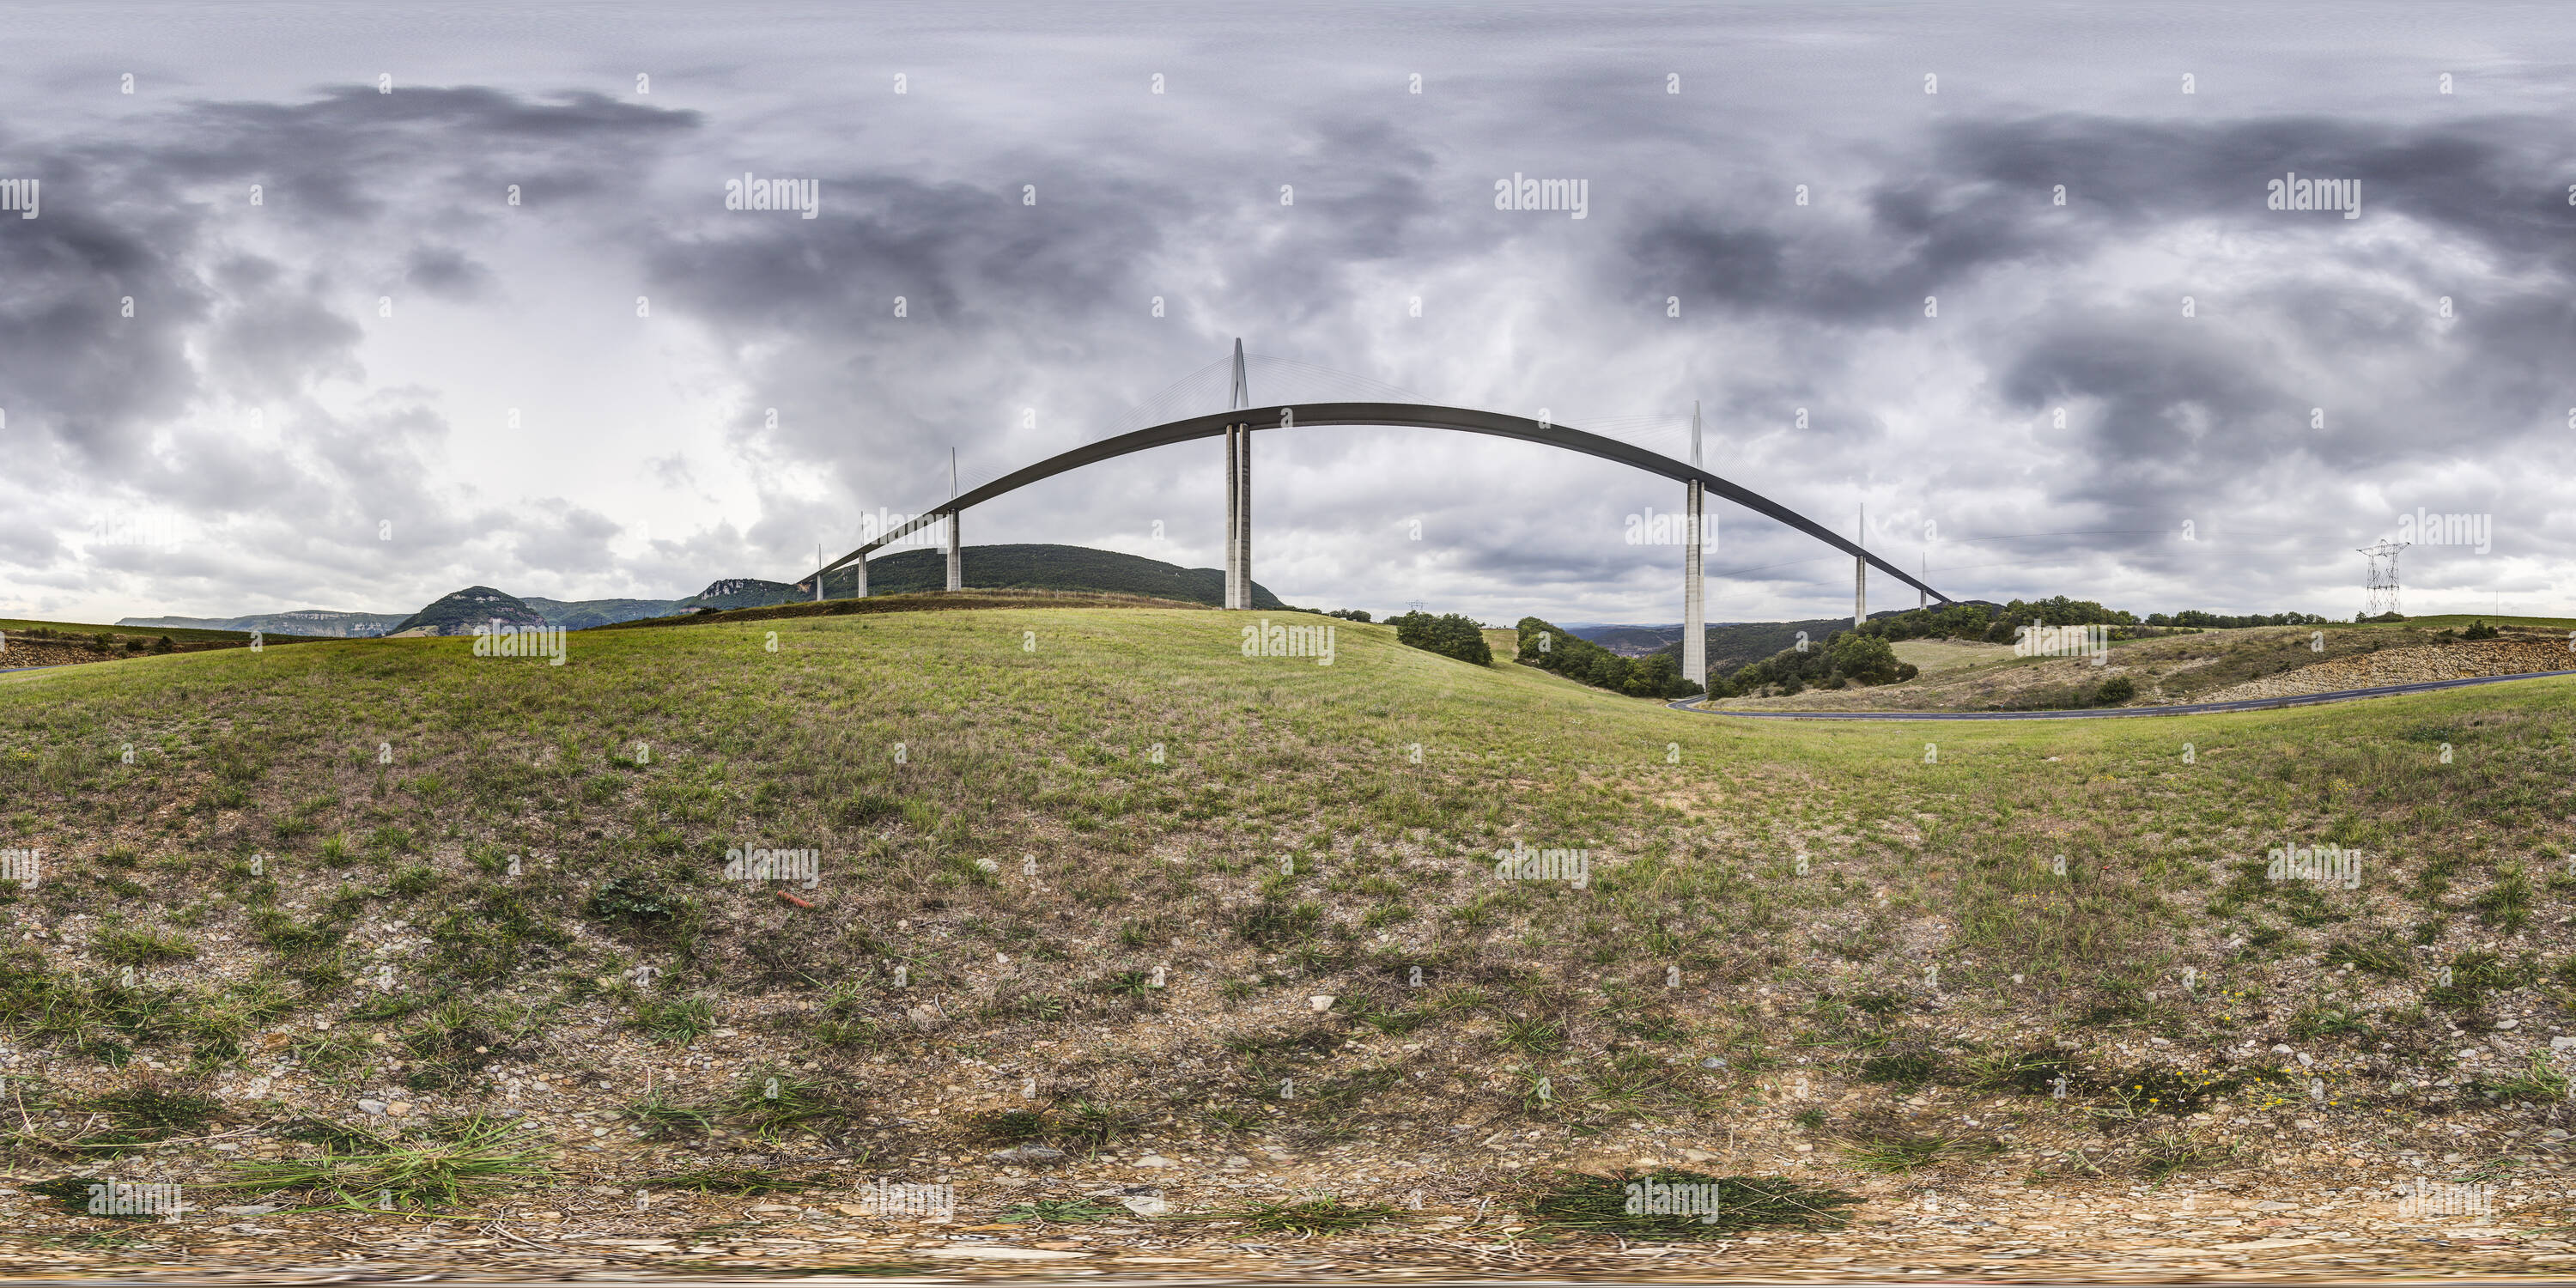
column 73, row 364
column 446, row 273
column 2174, row 416
column 137, row 219
column 1983, row 199
column 1013, row 307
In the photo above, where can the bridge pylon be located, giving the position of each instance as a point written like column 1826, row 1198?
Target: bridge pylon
column 1238, row 495
column 956, row 553
column 1694, row 563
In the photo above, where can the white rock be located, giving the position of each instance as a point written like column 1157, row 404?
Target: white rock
column 1321, row 1001
column 995, row 1252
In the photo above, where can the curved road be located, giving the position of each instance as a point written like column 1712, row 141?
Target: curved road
column 2104, row 713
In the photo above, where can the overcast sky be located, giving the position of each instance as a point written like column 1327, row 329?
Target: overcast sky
column 381, row 380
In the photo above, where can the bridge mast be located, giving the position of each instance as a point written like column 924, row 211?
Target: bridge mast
column 1860, row 573
column 1694, row 589
column 1238, row 495
column 956, row 558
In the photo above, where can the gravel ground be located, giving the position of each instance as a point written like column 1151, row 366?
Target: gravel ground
column 2406, row 666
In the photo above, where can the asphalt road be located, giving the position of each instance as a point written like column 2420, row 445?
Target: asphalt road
column 2107, row 713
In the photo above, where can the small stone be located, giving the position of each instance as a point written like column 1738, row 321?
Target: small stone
column 2281, row 1048
column 1027, row 1154
column 398, row 1108
column 1155, row 1160
column 249, row 1209
column 1146, row 1204
column 371, row 1106
column 1321, row 1001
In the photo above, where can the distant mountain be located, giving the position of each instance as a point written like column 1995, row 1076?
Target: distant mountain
column 582, row 615
column 1036, row 567
column 302, row 621
column 461, row 612
column 1735, row 644
column 1626, row 641
column 1043, row 567
column 742, row 592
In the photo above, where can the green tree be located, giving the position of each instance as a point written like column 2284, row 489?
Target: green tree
column 1448, row 635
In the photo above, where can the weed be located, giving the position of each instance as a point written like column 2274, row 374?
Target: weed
column 1898, row 1152
column 660, row 1116
column 1616, row 1204
column 1306, row 1216
column 1060, row 1211
column 1906, row 1071
column 1015, row 1126
column 140, row 947
column 772, row 1105
column 740, row 1182
column 434, row 1174
column 2170, row 1151
column 677, row 1019
column 1088, row 1124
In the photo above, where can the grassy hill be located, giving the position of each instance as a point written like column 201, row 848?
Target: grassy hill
column 2181, row 668
column 1116, row 861
column 120, row 633
column 1049, row 567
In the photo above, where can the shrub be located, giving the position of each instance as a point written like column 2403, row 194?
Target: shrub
column 2114, row 691
column 1350, row 614
column 2479, row 630
column 1552, row 648
column 1448, row 635
column 1863, row 659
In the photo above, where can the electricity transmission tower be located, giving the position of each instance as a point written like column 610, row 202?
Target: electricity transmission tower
column 2382, row 583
